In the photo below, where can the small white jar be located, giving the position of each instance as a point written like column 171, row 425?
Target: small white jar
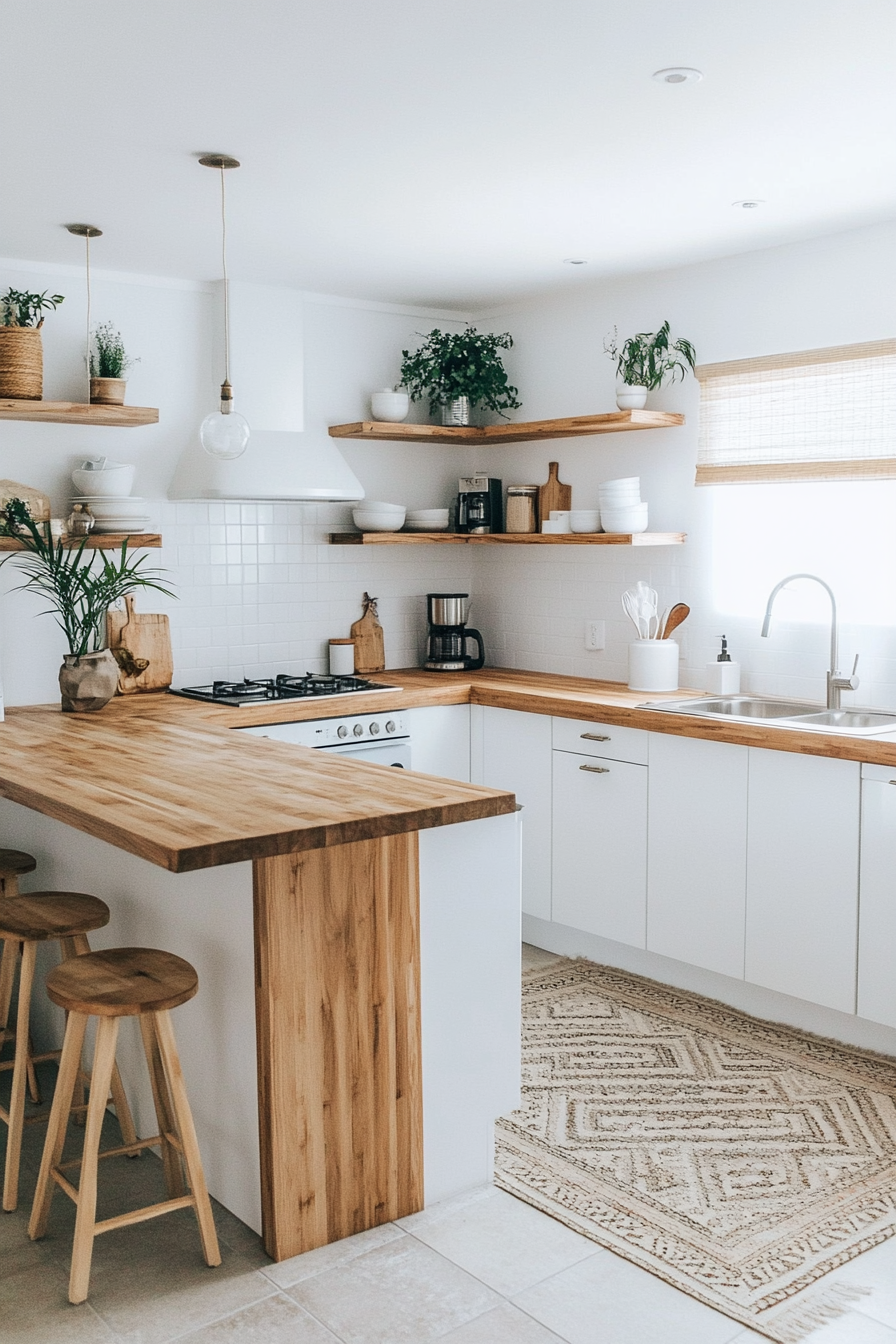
column 342, row 657
column 390, row 406
column 653, row 665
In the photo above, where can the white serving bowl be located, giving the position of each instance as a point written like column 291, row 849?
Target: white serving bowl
column 116, row 478
column 390, row 406
column 423, row 514
column 125, row 525
column 619, row 499
column 633, row 519
column 584, row 520
column 416, row 525
column 622, row 483
column 380, row 506
column 114, row 507
column 375, row 520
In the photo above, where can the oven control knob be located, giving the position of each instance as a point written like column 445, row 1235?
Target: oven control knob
column 342, row 731
column 358, row 730
column 374, row 730
column 390, row 726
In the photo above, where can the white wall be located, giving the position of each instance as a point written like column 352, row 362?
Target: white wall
column 824, row 292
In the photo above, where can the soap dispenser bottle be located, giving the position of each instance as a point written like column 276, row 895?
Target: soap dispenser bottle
column 723, row 676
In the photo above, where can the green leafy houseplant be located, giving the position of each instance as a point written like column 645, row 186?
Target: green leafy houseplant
column 648, row 358
column 79, row 591
column 26, row 310
column 108, row 358
column 449, row 365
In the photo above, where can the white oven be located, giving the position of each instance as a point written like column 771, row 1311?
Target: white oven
column 382, row 738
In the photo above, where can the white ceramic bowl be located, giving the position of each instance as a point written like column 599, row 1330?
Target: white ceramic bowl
column 415, row 525
column 109, row 480
column 380, row 506
column 625, row 520
column 374, row 520
column 392, row 407
column 125, row 525
column 115, row 508
column 421, row 515
column 622, row 483
column 584, row 520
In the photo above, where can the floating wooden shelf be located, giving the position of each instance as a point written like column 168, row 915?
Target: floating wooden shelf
column 77, row 413
column 108, row 541
column 472, row 436
column 508, row 539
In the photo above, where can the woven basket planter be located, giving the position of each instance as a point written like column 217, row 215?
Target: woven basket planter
column 21, row 363
column 107, row 391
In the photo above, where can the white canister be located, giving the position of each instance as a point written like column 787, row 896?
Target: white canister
column 653, row 665
column 561, row 517
column 342, row 657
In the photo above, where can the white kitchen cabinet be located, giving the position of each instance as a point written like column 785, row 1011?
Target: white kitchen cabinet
column 877, row 896
column 802, row 876
column 440, row 740
column 697, row 852
column 512, row 750
column 600, row 846
column 601, row 739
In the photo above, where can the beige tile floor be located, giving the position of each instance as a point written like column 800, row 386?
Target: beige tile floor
column 480, row 1269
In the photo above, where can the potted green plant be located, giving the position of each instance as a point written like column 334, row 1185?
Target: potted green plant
column 21, row 349
column 645, row 361
column 458, row 370
column 109, row 362
column 79, row 592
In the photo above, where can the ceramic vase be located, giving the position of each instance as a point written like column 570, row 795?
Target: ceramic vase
column 87, row 682
column 631, row 398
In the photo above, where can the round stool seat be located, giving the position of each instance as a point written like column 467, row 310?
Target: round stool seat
column 16, row 861
column 42, row 915
column 122, row 982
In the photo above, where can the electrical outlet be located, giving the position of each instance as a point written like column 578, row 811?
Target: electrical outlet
column 595, row 634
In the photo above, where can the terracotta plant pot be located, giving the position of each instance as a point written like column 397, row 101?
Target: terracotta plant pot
column 88, row 682
column 21, row 363
column 107, row 391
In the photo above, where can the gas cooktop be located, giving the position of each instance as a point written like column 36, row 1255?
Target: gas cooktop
column 310, row 687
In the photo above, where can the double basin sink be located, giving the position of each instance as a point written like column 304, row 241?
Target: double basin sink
column 782, row 714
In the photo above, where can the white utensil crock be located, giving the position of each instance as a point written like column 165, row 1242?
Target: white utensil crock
column 653, row 665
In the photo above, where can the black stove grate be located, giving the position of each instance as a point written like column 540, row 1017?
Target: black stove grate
column 283, row 687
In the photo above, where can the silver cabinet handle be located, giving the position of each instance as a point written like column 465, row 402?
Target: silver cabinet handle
column 595, row 769
column 594, row 737
column 891, row 781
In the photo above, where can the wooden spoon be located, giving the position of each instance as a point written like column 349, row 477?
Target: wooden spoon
column 680, row 612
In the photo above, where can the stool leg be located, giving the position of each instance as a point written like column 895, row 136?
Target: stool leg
column 33, row 1088
column 80, row 945
column 85, row 1222
column 174, row 1176
column 7, row 976
column 19, row 1077
column 69, row 1066
column 67, row 948
column 186, row 1130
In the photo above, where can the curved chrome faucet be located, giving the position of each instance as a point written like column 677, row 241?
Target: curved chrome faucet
column 835, row 682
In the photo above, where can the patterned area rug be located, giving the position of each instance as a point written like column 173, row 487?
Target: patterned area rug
column 738, row 1160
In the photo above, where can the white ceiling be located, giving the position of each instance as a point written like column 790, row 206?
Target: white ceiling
column 447, row 152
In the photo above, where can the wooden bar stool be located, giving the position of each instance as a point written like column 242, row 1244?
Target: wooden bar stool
column 124, row 982
column 25, row 921
column 13, row 863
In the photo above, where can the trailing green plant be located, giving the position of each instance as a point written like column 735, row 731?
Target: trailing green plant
column 108, row 358
column 648, row 358
column 26, row 310
column 452, row 364
column 78, row 591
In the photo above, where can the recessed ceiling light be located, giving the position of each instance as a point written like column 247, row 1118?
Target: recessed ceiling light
column 678, row 74
column 752, row 204
column 575, row 261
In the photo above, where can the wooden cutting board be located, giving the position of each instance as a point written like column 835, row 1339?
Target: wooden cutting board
column 367, row 633
column 553, row 495
column 137, row 638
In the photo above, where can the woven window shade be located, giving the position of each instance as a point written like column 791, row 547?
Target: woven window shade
column 816, row 415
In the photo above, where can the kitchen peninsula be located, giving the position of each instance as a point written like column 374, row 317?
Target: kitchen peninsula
column 368, row 1076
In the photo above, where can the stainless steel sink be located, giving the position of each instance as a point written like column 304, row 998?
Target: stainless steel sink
column 782, row 714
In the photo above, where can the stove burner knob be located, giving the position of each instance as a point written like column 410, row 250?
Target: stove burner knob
column 374, row 729
column 342, row 731
column 390, row 726
column 358, row 730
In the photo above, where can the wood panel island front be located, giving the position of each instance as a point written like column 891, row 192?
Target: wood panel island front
column 368, row 1074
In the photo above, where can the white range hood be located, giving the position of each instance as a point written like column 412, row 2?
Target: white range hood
column 283, row 459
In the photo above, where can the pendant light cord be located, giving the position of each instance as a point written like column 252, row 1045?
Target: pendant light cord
column 87, row 249
column 226, row 283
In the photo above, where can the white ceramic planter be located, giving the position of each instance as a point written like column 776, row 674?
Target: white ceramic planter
column 630, row 398
column 392, row 407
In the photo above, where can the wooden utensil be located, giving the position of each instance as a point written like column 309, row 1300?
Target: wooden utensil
column 680, row 612
column 553, row 494
column 141, row 645
column 368, row 636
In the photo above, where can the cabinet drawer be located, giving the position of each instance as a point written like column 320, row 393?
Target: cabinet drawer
column 882, row 774
column 600, row 739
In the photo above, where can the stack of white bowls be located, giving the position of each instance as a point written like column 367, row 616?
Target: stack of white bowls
column 621, row 507
column 105, row 488
column 374, row 515
column 427, row 520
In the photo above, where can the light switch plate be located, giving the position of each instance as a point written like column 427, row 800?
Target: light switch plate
column 595, row 635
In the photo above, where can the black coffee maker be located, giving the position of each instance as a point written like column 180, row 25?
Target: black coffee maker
column 446, row 643
column 480, row 504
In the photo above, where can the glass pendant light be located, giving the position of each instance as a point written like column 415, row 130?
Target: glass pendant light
column 224, row 433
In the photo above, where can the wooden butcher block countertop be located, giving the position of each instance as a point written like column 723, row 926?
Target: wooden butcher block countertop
column 163, row 777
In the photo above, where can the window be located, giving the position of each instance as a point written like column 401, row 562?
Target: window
column 811, row 415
